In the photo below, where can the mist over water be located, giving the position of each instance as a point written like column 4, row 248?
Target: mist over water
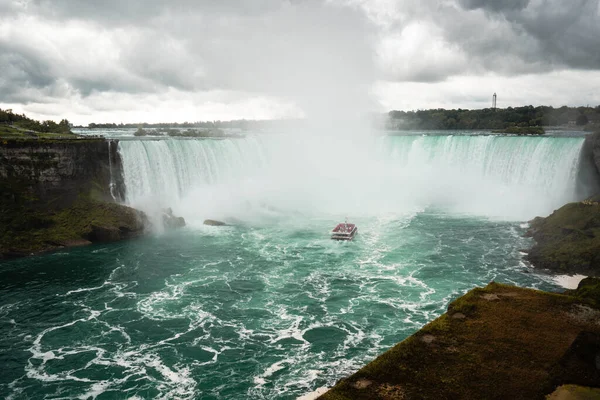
column 507, row 178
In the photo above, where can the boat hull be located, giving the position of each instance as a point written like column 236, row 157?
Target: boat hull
column 344, row 232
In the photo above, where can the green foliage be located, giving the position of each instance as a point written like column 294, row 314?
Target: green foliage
column 487, row 118
column 582, row 120
column 140, row 132
column 589, row 290
column 22, row 122
column 523, row 130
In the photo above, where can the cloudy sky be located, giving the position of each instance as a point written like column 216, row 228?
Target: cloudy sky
column 189, row 60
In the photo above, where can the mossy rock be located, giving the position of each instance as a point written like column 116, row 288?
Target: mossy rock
column 568, row 240
column 497, row 342
column 29, row 231
column 588, row 290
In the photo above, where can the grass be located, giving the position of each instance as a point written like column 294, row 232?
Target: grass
column 10, row 132
column 28, row 231
column 499, row 342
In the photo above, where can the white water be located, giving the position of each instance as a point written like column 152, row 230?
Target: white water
column 510, row 178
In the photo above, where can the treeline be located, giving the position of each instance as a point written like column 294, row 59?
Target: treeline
column 8, row 117
column 242, row 124
column 487, row 118
column 174, row 132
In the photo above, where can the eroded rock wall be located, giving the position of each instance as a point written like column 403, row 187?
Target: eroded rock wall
column 52, row 173
column 589, row 167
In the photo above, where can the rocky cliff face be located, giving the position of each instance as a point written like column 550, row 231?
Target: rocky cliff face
column 59, row 193
column 589, row 168
column 52, row 173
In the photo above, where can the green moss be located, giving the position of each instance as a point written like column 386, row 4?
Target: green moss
column 28, row 230
column 588, row 290
column 503, row 347
column 569, row 239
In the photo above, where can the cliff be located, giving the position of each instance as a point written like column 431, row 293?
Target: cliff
column 52, row 173
column 497, row 342
column 57, row 193
column 568, row 240
column 588, row 180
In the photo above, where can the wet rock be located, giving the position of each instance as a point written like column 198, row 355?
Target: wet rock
column 170, row 221
column 212, row 222
column 105, row 234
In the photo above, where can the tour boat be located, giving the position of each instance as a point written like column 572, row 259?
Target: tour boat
column 344, row 231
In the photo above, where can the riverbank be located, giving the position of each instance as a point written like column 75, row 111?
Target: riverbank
column 497, row 342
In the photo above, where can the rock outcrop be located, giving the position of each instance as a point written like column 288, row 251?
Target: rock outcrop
column 213, row 222
column 170, row 221
column 568, row 241
column 588, row 180
column 509, row 343
column 86, row 221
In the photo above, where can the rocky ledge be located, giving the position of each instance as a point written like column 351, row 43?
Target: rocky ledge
column 497, row 342
column 568, row 241
column 86, row 221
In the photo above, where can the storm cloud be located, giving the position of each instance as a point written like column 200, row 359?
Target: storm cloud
column 269, row 58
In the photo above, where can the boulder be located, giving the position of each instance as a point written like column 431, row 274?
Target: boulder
column 170, row 221
column 212, row 222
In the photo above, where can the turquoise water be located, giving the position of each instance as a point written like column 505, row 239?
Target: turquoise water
column 270, row 307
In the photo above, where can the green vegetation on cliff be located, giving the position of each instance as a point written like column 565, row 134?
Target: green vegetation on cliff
column 25, row 230
column 569, row 239
column 499, row 342
column 12, row 124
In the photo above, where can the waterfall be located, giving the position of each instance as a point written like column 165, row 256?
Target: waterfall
column 512, row 178
column 111, row 184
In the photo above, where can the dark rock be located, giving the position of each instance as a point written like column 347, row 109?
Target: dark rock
column 213, row 222
column 170, row 221
column 588, row 179
column 568, row 240
column 105, row 234
column 581, row 363
column 51, row 174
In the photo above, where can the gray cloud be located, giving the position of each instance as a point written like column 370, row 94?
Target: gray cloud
column 495, row 5
column 313, row 53
column 535, row 35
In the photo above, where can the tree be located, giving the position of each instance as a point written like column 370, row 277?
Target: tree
column 582, row 119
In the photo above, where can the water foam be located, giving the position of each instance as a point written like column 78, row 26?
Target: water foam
column 266, row 177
